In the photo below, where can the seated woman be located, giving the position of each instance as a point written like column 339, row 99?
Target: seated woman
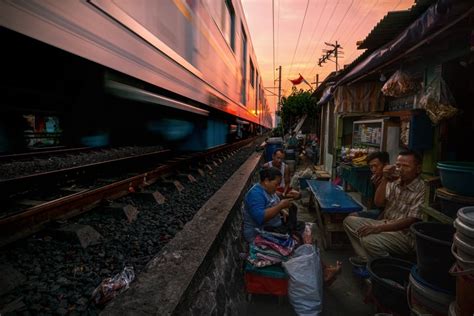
column 283, row 188
column 263, row 207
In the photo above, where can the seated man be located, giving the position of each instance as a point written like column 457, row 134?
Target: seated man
column 283, row 189
column 402, row 197
column 263, row 207
column 376, row 161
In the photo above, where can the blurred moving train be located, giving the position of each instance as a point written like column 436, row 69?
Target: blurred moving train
column 102, row 72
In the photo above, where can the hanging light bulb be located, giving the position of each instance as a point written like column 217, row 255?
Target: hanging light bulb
column 382, row 77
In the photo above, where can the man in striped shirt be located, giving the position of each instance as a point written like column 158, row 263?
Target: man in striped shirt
column 401, row 192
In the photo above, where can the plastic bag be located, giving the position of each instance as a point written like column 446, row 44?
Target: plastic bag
column 111, row 287
column 399, row 84
column 305, row 287
column 438, row 102
column 306, row 174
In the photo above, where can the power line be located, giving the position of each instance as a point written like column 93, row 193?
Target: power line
column 397, row 5
column 299, row 36
column 314, row 32
column 393, row 9
column 355, row 28
column 273, row 32
column 320, row 37
column 356, row 22
column 361, row 22
column 345, row 14
column 278, row 37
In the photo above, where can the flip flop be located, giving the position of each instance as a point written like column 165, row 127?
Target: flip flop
column 338, row 269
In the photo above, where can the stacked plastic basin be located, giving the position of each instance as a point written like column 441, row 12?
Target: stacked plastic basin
column 431, row 287
column 457, row 179
column 463, row 269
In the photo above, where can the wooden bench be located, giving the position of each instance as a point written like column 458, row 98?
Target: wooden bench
column 332, row 205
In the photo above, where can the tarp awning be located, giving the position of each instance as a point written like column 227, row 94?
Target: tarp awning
column 359, row 98
column 326, row 97
column 436, row 17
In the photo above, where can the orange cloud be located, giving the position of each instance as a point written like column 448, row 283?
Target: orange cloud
column 346, row 21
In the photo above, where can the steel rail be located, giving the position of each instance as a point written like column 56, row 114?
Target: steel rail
column 18, row 184
column 33, row 219
column 44, row 153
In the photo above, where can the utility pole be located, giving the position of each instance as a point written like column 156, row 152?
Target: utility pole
column 279, row 88
column 328, row 52
column 316, row 81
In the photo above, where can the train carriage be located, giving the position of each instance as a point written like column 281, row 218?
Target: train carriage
column 102, row 72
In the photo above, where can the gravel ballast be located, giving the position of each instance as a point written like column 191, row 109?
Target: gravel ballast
column 61, row 275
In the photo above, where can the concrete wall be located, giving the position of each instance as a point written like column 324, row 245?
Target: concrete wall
column 220, row 290
column 199, row 271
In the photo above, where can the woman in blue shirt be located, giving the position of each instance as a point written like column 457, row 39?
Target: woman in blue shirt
column 262, row 206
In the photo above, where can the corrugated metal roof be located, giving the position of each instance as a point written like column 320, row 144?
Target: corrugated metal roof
column 392, row 24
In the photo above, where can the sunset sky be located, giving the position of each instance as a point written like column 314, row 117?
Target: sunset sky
column 346, row 21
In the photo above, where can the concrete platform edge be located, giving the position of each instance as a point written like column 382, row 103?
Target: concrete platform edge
column 164, row 283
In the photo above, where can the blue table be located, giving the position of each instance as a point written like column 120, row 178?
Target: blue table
column 332, row 205
column 331, row 198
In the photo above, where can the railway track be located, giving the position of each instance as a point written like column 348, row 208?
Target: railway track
column 44, row 153
column 15, row 186
column 17, row 225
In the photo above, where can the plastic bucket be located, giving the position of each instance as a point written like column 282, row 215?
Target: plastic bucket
column 433, row 252
column 466, row 216
column 463, row 260
column 464, row 229
column 389, row 279
column 452, row 309
column 465, row 245
column 426, row 298
column 451, row 202
column 457, row 176
column 464, row 291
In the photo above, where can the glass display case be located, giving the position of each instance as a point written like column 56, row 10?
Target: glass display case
column 378, row 134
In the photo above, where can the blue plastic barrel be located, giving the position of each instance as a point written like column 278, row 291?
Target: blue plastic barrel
column 272, row 144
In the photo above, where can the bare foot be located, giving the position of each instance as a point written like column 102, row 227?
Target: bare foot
column 330, row 273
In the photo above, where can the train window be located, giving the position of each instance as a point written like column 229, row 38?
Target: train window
column 243, row 87
column 257, row 92
column 223, row 14
column 163, row 21
column 230, row 34
column 252, row 74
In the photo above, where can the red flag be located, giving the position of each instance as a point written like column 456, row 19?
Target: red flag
column 297, row 81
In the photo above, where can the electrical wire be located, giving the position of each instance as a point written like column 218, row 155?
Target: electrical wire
column 321, row 36
column 273, row 33
column 350, row 37
column 355, row 51
column 313, row 33
column 273, row 42
column 339, row 25
column 299, row 37
column 278, row 37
